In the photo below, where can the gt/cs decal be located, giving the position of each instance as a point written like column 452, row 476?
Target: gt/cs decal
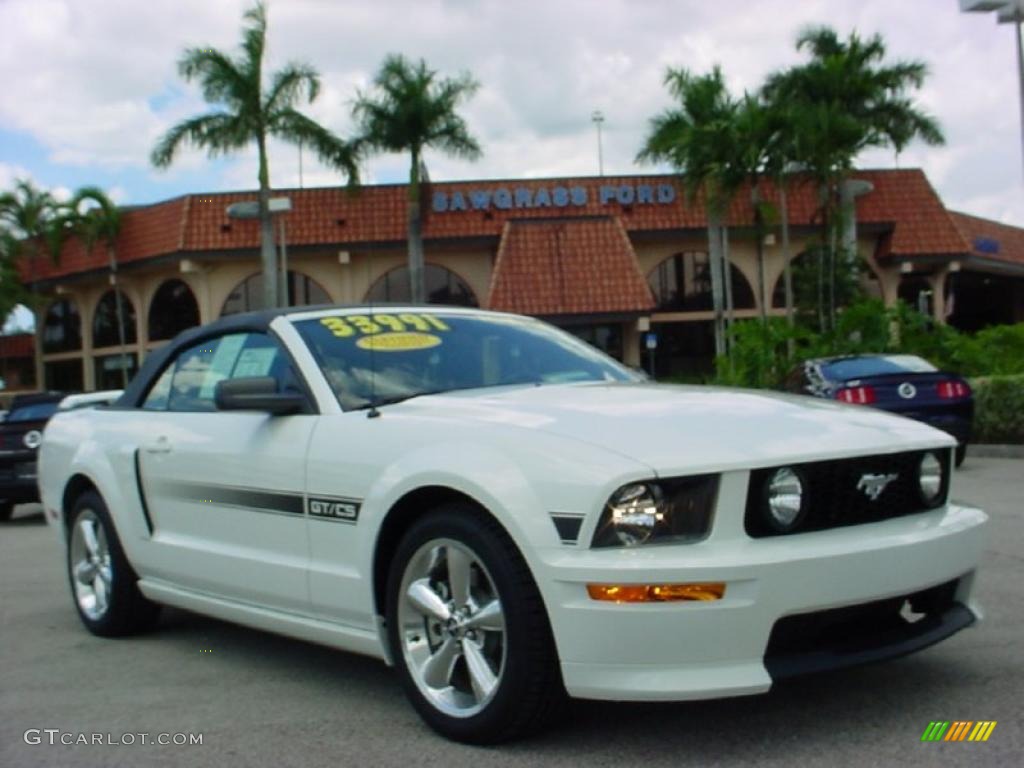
column 344, row 511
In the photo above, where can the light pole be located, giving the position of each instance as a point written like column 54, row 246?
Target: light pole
column 1007, row 12
column 597, row 117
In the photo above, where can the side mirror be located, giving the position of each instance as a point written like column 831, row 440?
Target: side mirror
column 256, row 393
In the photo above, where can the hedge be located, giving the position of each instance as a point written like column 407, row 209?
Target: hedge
column 999, row 409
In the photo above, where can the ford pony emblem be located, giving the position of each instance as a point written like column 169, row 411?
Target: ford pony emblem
column 873, row 485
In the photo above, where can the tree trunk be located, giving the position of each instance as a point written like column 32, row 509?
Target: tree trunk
column 417, row 292
column 730, row 307
column 787, row 272
column 714, row 262
column 112, row 256
column 755, row 199
column 268, row 254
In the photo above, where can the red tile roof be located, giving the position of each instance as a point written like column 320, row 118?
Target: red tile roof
column 568, row 266
column 902, row 200
column 990, row 239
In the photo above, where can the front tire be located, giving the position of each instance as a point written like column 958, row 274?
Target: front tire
column 103, row 584
column 468, row 630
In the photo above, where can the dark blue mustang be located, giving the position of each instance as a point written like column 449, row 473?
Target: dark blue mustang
column 903, row 384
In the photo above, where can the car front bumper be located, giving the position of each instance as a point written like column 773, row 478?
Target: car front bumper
column 695, row 650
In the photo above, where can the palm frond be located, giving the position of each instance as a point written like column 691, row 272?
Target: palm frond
column 293, row 126
column 220, row 79
column 216, row 132
column 287, row 85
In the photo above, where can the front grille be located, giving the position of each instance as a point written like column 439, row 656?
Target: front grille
column 833, row 499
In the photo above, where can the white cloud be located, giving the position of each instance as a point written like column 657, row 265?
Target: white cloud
column 95, row 83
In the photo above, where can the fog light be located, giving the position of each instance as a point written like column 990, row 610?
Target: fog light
column 655, row 593
column 929, row 479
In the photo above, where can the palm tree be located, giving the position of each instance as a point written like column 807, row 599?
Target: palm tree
column 246, row 113
column 35, row 221
column 34, row 224
column 846, row 100
column 95, row 218
column 698, row 137
column 411, row 110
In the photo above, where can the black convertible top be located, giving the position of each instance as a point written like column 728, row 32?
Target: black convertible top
column 258, row 322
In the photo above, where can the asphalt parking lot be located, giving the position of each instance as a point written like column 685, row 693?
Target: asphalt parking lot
column 262, row 700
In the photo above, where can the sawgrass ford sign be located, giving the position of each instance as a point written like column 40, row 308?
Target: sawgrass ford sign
column 509, row 198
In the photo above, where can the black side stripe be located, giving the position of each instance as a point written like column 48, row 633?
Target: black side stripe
column 568, row 525
column 142, row 494
column 247, row 498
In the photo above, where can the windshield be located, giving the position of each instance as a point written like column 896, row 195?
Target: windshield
column 33, row 412
column 880, row 365
column 384, row 358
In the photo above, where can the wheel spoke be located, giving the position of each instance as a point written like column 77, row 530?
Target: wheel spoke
column 458, row 575
column 85, row 572
column 437, row 671
column 490, row 618
column 99, row 587
column 88, row 528
column 481, row 677
column 427, row 601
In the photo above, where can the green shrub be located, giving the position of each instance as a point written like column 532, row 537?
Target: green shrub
column 999, row 409
column 759, row 352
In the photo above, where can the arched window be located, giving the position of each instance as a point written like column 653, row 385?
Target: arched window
column 172, row 310
column 248, row 294
column 104, row 322
column 682, row 283
column 442, row 286
column 62, row 328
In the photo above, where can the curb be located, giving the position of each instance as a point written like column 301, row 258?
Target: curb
column 983, row 451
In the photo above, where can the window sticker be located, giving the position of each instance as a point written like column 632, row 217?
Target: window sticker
column 346, row 326
column 255, row 361
column 398, row 342
column 222, row 362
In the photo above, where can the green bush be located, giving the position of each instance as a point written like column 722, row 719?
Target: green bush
column 759, row 352
column 999, row 409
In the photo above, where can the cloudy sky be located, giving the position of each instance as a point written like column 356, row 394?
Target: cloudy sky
column 89, row 85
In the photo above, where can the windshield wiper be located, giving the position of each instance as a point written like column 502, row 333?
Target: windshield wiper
column 398, row 399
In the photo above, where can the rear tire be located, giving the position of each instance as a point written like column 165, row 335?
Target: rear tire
column 961, row 453
column 103, row 584
column 468, row 630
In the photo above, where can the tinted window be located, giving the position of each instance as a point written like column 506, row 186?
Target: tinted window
column 188, row 384
column 389, row 357
column 172, row 310
column 33, row 412
column 861, row 367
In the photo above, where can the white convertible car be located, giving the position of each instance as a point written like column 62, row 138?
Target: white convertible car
column 505, row 514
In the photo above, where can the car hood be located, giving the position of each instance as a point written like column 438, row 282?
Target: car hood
column 687, row 428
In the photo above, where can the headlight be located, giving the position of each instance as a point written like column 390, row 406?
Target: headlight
column 673, row 510
column 931, row 476
column 32, row 439
column 785, row 500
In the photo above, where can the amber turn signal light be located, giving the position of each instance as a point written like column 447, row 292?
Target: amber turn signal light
column 655, row 593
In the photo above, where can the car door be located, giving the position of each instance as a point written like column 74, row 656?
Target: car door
column 225, row 489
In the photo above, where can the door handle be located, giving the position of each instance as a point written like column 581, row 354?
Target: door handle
column 160, row 445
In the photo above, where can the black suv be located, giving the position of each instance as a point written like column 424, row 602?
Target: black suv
column 21, row 432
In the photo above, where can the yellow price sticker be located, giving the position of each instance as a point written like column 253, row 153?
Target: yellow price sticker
column 365, row 325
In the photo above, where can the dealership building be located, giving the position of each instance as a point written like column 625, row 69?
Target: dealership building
column 620, row 261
